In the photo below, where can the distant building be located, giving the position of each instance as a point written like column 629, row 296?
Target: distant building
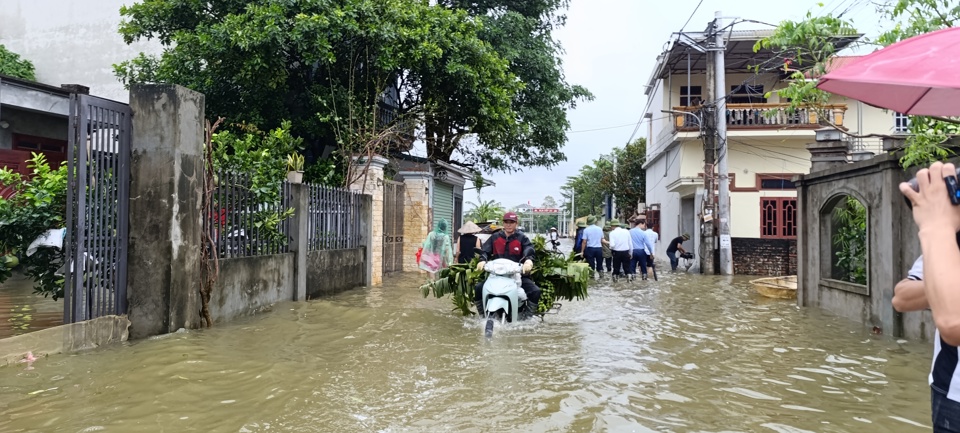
column 765, row 145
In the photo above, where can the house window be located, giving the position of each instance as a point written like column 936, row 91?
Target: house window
column 690, row 96
column 746, row 94
column 776, row 182
column 55, row 150
column 901, row 123
column 653, row 217
column 778, row 217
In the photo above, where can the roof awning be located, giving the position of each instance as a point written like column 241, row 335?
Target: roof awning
column 739, row 56
column 685, row 186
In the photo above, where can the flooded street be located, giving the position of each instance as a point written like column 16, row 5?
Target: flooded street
column 23, row 311
column 686, row 354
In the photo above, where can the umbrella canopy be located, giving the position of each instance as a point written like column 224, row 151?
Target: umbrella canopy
column 917, row 76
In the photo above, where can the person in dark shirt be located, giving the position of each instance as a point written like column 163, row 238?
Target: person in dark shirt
column 676, row 245
column 467, row 243
column 511, row 244
column 578, row 239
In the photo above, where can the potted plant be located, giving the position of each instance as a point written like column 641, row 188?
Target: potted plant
column 295, row 168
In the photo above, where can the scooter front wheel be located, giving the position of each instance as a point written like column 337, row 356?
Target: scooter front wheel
column 488, row 330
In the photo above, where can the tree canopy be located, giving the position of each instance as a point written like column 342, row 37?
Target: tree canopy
column 812, row 35
column 625, row 180
column 11, row 64
column 483, row 73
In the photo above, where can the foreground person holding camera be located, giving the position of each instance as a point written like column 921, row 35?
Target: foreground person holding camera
column 938, row 220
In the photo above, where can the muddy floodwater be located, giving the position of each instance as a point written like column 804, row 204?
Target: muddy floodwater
column 688, row 353
column 22, row 311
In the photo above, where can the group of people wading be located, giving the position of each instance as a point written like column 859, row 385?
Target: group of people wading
column 613, row 249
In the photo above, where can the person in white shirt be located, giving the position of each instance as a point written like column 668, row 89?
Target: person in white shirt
column 653, row 237
column 621, row 245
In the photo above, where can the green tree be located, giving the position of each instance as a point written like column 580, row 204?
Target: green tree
column 810, row 43
column 521, row 32
column 625, row 180
column 11, row 64
column 590, row 185
column 483, row 78
column 630, row 179
column 484, row 211
column 325, row 65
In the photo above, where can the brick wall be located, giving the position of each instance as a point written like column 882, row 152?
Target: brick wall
column 766, row 257
column 416, row 215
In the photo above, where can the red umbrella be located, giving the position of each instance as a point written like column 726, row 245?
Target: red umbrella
column 917, row 76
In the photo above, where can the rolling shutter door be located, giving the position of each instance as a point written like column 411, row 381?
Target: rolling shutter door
column 442, row 203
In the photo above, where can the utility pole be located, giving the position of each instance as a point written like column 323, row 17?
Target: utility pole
column 708, row 251
column 726, row 250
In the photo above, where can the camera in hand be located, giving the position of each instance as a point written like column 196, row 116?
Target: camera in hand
column 953, row 189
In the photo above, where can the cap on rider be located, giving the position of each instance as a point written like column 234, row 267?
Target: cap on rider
column 510, row 216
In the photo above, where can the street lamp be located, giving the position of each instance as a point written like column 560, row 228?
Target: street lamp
column 687, row 113
column 613, row 197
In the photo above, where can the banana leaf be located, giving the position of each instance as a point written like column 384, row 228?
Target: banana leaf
column 560, row 277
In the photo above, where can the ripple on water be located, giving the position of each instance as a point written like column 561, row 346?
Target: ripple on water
column 640, row 357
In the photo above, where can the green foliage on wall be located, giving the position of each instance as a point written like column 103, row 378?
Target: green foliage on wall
column 850, row 241
column 11, row 64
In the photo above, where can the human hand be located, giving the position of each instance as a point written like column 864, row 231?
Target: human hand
column 931, row 205
column 527, row 266
column 480, row 265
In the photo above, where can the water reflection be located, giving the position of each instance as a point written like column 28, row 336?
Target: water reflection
column 687, row 353
column 22, row 311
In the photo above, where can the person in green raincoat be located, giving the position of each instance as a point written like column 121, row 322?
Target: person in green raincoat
column 437, row 250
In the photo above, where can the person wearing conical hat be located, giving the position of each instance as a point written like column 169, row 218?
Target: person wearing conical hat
column 554, row 237
column 578, row 239
column 467, row 243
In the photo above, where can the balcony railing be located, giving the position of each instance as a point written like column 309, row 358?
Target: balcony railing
column 764, row 116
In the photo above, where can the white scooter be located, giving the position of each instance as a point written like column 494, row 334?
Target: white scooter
column 502, row 299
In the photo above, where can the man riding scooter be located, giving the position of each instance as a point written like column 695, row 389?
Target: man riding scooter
column 516, row 246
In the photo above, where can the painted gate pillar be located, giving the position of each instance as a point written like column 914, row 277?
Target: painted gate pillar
column 372, row 183
column 417, row 214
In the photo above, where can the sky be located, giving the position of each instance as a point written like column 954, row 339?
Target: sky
column 610, row 48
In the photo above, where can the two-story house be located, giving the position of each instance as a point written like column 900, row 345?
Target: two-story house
column 765, row 147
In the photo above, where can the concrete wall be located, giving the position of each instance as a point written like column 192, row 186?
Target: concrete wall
column 891, row 237
column 249, row 285
column 165, row 219
column 334, row 271
column 73, row 337
column 71, row 41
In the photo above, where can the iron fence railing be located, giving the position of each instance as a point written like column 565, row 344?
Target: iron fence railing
column 98, row 167
column 246, row 225
column 334, row 218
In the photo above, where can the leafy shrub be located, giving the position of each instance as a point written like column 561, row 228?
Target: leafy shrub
column 38, row 204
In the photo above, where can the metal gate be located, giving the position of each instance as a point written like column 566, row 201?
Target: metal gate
column 392, row 226
column 98, row 193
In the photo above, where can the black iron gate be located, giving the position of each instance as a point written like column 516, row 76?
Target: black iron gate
column 98, row 193
column 392, row 226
